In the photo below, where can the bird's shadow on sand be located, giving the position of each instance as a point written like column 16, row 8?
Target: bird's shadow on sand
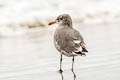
column 62, row 75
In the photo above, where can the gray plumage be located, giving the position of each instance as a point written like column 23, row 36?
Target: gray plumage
column 67, row 40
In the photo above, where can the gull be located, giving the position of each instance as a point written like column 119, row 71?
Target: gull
column 67, row 40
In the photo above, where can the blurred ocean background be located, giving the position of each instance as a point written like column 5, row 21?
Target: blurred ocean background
column 26, row 41
column 17, row 15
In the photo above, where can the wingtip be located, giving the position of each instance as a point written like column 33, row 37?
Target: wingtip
column 84, row 50
column 81, row 53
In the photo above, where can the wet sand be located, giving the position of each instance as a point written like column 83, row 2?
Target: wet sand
column 33, row 57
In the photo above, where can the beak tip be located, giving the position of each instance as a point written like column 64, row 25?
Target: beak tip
column 52, row 22
column 49, row 24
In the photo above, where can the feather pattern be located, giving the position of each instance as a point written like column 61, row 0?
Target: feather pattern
column 67, row 40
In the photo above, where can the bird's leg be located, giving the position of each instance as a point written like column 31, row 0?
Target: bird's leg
column 73, row 69
column 60, row 64
column 74, row 75
column 72, row 63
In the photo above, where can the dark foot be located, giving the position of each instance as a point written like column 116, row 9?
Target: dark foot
column 60, row 71
column 73, row 74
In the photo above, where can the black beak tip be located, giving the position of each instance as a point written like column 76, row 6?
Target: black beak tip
column 49, row 24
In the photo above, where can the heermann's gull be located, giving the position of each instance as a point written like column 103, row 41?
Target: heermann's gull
column 67, row 40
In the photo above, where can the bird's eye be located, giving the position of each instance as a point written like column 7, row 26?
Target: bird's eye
column 61, row 18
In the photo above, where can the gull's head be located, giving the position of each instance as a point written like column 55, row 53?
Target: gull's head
column 63, row 19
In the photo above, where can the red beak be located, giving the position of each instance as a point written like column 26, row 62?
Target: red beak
column 51, row 22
